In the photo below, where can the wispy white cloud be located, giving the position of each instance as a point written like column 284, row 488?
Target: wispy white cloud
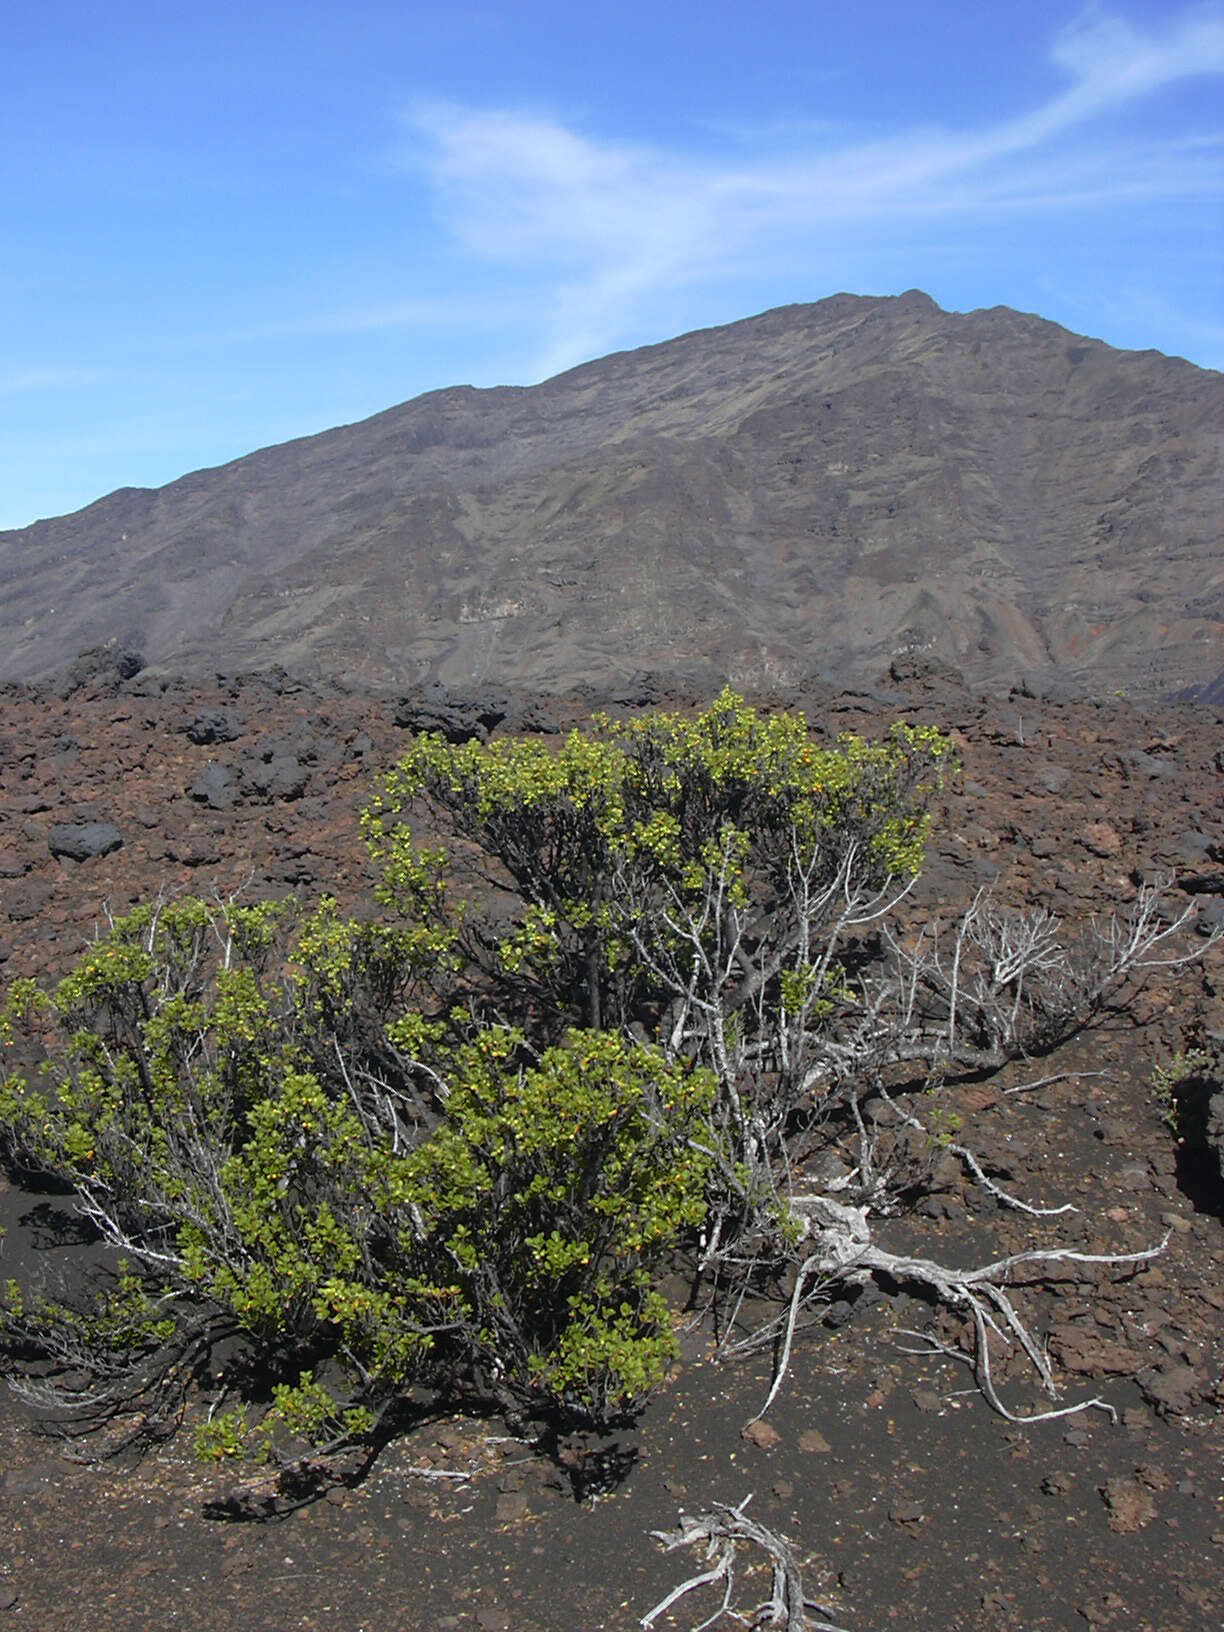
column 609, row 222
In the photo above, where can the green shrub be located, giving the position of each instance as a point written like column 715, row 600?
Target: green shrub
column 260, row 1182
column 1182, row 1088
column 689, row 881
column 451, row 1148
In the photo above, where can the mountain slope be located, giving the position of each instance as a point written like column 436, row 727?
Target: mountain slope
column 814, row 489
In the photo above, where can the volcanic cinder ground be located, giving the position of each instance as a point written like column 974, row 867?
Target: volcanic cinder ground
column 909, row 1503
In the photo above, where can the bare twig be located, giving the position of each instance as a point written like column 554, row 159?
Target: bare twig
column 721, row 1531
column 1054, row 1076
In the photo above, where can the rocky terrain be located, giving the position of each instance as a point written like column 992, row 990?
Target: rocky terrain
column 808, row 492
column 907, row 1501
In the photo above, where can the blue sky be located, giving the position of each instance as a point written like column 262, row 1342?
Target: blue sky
column 222, row 226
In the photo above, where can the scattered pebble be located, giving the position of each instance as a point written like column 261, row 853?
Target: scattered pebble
column 761, row 1434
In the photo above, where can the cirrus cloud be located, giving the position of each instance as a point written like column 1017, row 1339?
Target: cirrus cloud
column 610, row 222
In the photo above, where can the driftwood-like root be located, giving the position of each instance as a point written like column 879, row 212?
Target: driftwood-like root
column 721, row 1531
column 842, row 1251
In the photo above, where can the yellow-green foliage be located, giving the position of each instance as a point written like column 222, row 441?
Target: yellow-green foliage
column 661, row 786
column 427, row 1149
column 515, row 1237
column 556, row 1191
column 1182, row 1112
column 603, row 834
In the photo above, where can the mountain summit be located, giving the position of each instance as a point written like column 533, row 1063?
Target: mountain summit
column 814, row 490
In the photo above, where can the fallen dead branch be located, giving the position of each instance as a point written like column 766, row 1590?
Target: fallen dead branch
column 722, row 1530
column 1054, row 1076
column 843, row 1251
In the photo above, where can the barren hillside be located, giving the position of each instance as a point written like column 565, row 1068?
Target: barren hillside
column 806, row 492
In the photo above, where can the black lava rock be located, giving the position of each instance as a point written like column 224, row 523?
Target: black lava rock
column 81, row 841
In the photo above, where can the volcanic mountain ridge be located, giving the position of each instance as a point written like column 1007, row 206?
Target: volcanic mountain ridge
column 807, row 492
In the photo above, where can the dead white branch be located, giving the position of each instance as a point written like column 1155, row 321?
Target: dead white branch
column 842, row 1250
column 1017, row 981
column 721, row 1531
column 1054, row 1076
